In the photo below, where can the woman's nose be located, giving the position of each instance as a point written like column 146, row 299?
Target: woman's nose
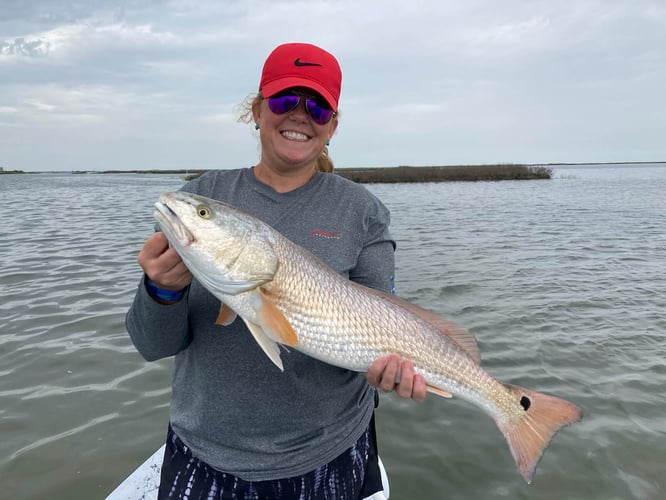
column 300, row 110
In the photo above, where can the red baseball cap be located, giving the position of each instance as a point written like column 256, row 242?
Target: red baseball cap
column 302, row 65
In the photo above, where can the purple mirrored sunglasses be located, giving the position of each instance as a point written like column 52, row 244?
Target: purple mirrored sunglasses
column 288, row 100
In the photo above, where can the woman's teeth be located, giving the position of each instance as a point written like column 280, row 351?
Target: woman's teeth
column 294, row 136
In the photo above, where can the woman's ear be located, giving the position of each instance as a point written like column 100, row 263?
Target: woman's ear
column 334, row 125
column 256, row 114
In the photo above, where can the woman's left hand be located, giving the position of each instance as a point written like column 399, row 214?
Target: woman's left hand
column 385, row 372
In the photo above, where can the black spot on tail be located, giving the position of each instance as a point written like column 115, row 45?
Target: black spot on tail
column 525, row 403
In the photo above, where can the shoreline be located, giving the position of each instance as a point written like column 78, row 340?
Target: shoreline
column 396, row 174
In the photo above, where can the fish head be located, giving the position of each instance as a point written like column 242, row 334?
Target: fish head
column 226, row 249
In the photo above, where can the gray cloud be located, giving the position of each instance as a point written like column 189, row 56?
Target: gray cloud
column 24, row 48
column 424, row 82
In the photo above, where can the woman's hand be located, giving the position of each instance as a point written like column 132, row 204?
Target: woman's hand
column 391, row 373
column 162, row 264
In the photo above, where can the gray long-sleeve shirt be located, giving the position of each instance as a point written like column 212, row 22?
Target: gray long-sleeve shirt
column 230, row 404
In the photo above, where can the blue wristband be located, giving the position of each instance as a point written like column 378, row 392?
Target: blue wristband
column 161, row 294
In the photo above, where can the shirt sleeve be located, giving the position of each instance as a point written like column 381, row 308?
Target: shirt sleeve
column 376, row 261
column 157, row 330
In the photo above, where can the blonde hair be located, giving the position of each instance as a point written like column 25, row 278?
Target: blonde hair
column 323, row 163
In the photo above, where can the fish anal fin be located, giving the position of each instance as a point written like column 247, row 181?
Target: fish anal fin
column 438, row 391
column 226, row 316
column 273, row 322
column 540, row 417
column 269, row 346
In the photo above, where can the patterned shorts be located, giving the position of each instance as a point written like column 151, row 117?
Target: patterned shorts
column 351, row 476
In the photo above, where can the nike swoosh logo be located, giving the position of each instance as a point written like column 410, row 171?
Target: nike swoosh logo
column 298, row 62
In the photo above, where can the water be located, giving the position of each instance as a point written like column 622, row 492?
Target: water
column 563, row 282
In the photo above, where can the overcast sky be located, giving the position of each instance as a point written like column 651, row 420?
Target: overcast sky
column 92, row 85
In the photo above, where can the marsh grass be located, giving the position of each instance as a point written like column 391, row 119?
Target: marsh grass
column 499, row 172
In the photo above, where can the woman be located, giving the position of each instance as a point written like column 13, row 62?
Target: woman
column 238, row 425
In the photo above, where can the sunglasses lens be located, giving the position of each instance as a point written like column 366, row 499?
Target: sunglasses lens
column 284, row 103
column 319, row 114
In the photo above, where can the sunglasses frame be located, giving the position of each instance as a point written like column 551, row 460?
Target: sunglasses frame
column 310, row 100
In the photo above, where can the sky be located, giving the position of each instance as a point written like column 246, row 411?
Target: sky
column 130, row 84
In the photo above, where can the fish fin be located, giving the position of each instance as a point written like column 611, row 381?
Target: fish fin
column 529, row 435
column 461, row 336
column 438, row 391
column 269, row 346
column 226, row 316
column 233, row 287
column 273, row 322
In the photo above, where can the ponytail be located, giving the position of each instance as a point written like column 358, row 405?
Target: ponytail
column 324, row 162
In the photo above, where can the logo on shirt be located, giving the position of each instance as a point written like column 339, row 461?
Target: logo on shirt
column 320, row 233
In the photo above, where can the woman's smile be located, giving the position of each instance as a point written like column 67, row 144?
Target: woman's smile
column 292, row 135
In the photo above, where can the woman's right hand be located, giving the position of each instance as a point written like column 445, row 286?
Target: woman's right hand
column 162, row 264
column 392, row 373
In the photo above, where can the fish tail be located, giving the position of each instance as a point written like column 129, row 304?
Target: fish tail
column 529, row 435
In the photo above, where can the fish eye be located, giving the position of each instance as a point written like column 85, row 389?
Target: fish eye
column 203, row 212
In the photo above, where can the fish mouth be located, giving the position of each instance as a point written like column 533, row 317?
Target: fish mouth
column 171, row 225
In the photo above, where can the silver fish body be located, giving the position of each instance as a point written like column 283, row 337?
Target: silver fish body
column 286, row 295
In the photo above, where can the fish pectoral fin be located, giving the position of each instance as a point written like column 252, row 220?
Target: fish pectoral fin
column 273, row 322
column 226, row 316
column 438, row 391
column 270, row 347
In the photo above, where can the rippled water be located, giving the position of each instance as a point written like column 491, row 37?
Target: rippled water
column 563, row 282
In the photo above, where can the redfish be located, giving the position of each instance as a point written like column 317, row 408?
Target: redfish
column 286, row 295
